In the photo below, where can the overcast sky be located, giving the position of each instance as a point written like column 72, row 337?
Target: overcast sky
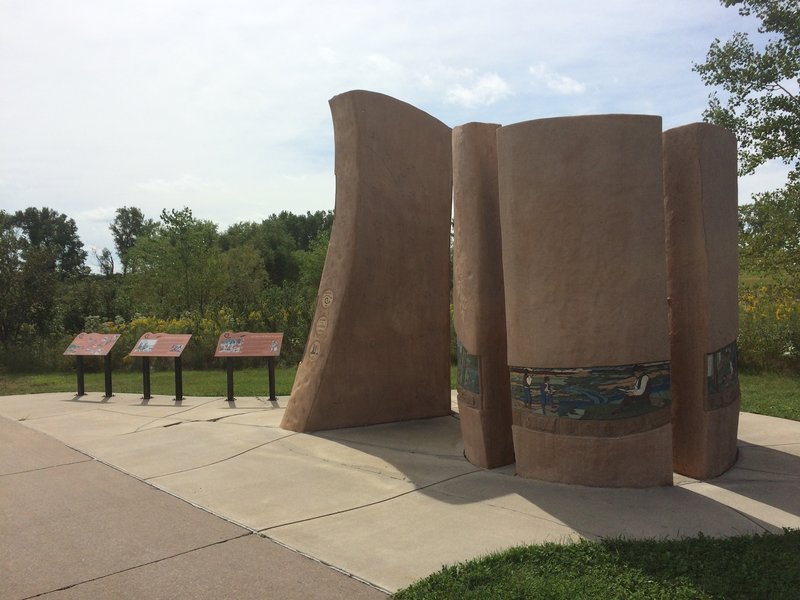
column 223, row 106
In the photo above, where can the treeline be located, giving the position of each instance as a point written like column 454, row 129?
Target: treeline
column 180, row 274
column 176, row 274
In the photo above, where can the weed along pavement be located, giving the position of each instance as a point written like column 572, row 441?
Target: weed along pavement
column 127, row 498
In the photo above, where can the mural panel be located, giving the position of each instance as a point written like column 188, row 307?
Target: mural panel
column 469, row 370
column 722, row 377
column 592, row 393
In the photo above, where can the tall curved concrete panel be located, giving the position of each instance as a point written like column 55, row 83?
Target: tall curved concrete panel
column 478, row 299
column 702, row 261
column 378, row 350
column 581, row 208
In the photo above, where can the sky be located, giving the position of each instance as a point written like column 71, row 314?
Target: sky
column 223, row 106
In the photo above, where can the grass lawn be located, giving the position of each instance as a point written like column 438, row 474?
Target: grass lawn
column 766, row 394
column 746, row 567
column 246, row 382
column 769, row 394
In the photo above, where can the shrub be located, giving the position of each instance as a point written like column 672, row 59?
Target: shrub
column 769, row 329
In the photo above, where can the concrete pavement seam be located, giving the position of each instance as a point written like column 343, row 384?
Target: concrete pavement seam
column 368, row 504
column 221, row 460
column 66, row 464
column 325, row 563
column 152, row 562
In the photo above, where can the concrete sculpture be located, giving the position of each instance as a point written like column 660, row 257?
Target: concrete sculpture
column 581, row 210
column 478, row 304
column 701, row 221
column 595, row 280
column 378, row 350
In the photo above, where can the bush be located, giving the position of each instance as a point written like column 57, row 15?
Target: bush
column 769, row 329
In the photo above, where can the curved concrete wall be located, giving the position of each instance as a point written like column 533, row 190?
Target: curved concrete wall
column 702, row 224
column 378, row 350
column 581, row 208
column 478, row 299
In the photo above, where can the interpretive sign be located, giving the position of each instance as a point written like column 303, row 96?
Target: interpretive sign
column 243, row 344
column 170, row 345
column 161, row 345
column 93, row 344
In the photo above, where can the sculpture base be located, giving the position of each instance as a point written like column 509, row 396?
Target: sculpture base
column 639, row 460
column 714, row 450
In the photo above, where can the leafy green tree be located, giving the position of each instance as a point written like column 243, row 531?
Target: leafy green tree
column 278, row 238
column 245, row 279
column 760, row 80
column 128, row 226
column 769, row 237
column 177, row 269
column 28, row 284
column 305, row 229
column 48, row 233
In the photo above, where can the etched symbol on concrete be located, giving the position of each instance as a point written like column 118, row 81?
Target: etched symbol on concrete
column 322, row 326
column 313, row 352
column 327, row 298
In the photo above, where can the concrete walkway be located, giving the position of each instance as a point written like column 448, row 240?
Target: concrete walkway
column 386, row 504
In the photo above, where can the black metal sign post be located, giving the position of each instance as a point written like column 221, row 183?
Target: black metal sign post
column 146, row 377
column 107, row 369
column 79, row 367
column 229, row 370
column 178, row 379
column 271, row 370
column 92, row 344
column 161, row 345
column 246, row 344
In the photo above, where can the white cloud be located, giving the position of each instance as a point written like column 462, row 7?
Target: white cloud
column 561, row 84
column 328, row 55
column 182, row 184
column 223, row 106
column 481, row 90
column 99, row 214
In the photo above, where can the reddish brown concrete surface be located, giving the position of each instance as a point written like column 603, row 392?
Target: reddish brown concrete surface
column 581, row 207
column 701, row 218
column 478, row 299
column 378, row 350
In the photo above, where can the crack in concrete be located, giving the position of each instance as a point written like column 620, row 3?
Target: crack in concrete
column 367, row 505
column 66, row 464
column 139, row 566
column 216, row 462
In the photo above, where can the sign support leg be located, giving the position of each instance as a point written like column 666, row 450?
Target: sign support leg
column 107, row 368
column 271, row 369
column 178, row 379
column 81, row 387
column 146, row 377
column 229, row 369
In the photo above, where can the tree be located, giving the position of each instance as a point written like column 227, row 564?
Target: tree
column 245, row 278
column 46, row 231
column 104, row 260
column 128, row 226
column 762, row 106
column 769, row 238
column 28, row 284
column 178, row 267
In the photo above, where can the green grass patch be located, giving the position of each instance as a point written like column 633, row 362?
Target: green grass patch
column 763, row 393
column 770, row 394
column 247, row 382
column 746, row 567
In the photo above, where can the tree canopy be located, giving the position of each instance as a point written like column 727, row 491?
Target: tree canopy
column 760, row 80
